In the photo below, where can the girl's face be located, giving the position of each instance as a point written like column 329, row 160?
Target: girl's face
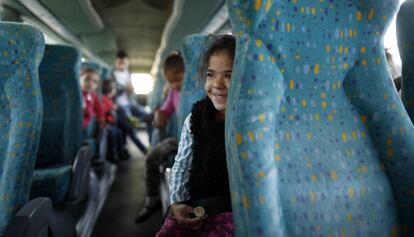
column 121, row 64
column 90, row 82
column 218, row 80
column 175, row 78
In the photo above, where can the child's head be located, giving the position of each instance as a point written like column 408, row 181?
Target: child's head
column 174, row 70
column 216, row 67
column 121, row 61
column 89, row 81
column 87, row 70
column 108, row 88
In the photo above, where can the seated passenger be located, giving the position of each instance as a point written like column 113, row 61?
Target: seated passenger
column 127, row 109
column 174, row 73
column 199, row 175
column 128, row 129
column 114, row 134
column 91, row 104
column 130, row 107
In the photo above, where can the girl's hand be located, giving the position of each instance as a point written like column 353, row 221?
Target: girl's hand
column 160, row 120
column 183, row 213
column 130, row 88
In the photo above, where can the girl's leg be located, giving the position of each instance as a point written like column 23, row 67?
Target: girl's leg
column 155, row 137
column 127, row 129
column 131, row 133
column 138, row 111
column 220, row 225
column 171, row 228
column 121, row 124
column 118, row 140
column 112, row 140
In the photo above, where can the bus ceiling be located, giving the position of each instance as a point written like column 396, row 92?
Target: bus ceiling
column 147, row 29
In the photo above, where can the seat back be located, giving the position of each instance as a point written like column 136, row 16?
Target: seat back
column 62, row 101
column 89, row 64
column 171, row 128
column 155, row 96
column 406, row 46
column 192, row 89
column 21, row 49
column 105, row 73
column 318, row 141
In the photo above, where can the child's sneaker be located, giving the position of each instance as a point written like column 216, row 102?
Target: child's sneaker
column 133, row 121
column 124, row 155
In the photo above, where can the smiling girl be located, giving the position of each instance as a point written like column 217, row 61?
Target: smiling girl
column 199, row 176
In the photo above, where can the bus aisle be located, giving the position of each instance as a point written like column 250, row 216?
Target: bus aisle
column 125, row 199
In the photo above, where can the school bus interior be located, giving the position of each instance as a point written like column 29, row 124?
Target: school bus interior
column 55, row 176
column 148, row 30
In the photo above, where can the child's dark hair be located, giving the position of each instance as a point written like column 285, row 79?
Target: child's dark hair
column 107, row 86
column 87, row 70
column 216, row 44
column 121, row 54
column 174, row 61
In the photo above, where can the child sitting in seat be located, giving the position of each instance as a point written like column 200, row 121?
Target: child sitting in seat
column 91, row 104
column 174, row 74
column 108, row 94
column 199, row 185
column 115, row 151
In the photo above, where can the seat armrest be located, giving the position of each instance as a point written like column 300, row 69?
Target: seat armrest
column 80, row 174
column 31, row 220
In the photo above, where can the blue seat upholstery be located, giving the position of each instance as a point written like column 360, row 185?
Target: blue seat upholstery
column 405, row 34
column 106, row 73
column 172, row 126
column 318, row 141
column 62, row 121
column 90, row 133
column 89, row 64
column 21, row 49
column 192, row 89
column 155, row 98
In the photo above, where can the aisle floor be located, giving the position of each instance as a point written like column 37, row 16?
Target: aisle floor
column 124, row 201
